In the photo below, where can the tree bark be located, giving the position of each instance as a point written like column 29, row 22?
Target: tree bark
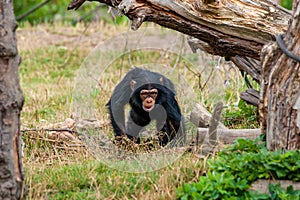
column 238, row 30
column 227, row 27
column 11, row 102
column 280, row 90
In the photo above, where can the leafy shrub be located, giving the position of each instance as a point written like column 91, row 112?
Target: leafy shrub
column 242, row 116
column 230, row 175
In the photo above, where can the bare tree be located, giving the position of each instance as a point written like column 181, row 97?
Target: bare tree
column 11, row 102
column 238, row 30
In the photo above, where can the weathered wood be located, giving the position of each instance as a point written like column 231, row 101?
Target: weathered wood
column 222, row 135
column 215, row 119
column 229, row 27
column 249, row 65
column 251, row 96
column 201, row 117
column 280, row 91
column 227, row 136
column 262, row 186
column 11, row 102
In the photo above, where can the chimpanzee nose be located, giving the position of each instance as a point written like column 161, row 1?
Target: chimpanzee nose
column 149, row 100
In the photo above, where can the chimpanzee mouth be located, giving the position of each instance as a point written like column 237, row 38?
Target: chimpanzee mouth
column 148, row 109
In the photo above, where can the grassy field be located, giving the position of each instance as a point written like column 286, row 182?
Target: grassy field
column 57, row 169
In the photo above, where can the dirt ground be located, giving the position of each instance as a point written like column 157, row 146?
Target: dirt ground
column 83, row 36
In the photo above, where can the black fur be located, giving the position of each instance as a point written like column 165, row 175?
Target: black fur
column 166, row 111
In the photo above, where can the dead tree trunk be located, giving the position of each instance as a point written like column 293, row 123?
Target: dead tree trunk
column 11, row 102
column 238, row 30
column 224, row 27
column 280, row 89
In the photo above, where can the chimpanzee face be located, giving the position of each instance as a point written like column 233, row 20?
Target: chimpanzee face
column 148, row 98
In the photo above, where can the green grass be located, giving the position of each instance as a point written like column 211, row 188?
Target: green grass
column 46, row 80
column 74, row 174
column 55, row 169
column 92, row 179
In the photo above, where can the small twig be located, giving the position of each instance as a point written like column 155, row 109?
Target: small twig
column 34, row 8
column 53, row 129
column 207, row 80
column 179, row 56
column 74, row 48
column 198, row 75
column 197, row 141
column 90, row 13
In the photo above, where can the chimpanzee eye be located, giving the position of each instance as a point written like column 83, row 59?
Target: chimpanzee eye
column 148, row 93
column 144, row 94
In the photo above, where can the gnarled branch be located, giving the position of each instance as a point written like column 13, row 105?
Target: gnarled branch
column 228, row 27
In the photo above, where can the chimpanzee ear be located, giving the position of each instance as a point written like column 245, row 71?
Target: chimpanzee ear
column 161, row 80
column 132, row 83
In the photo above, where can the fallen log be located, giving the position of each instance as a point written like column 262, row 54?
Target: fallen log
column 227, row 136
column 201, row 117
column 208, row 140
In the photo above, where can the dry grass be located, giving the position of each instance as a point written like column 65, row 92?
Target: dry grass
column 62, row 169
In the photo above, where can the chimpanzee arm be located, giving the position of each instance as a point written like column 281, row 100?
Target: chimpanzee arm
column 173, row 124
column 117, row 118
column 117, row 102
column 171, row 129
column 133, row 130
column 135, row 124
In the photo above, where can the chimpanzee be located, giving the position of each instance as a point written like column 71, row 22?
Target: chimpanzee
column 151, row 96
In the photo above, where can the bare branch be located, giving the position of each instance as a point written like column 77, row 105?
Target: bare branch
column 228, row 27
